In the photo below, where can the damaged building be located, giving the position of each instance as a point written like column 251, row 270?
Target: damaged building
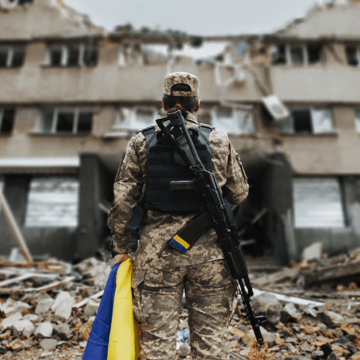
column 73, row 95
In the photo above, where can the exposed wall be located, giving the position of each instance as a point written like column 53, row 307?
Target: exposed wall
column 317, row 84
column 337, row 21
column 43, row 18
column 327, row 154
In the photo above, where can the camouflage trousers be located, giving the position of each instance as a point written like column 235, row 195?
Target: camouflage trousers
column 210, row 300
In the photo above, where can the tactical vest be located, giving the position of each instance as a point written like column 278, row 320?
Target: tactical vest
column 164, row 164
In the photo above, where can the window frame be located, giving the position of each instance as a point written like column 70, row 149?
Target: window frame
column 312, row 109
column 305, row 54
column 82, row 47
column 357, row 119
column 10, row 55
column 15, row 3
column 236, row 113
column 1, row 119
column 55, row 119
column 357, row 47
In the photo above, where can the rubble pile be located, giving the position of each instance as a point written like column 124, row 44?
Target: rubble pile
column 47, row 308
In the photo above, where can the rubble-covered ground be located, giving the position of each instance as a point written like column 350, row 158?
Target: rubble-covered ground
column 47, row 309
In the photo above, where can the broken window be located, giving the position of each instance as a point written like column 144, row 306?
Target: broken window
column 14, row 3
column 297, row 54
column 232, row 121
column 302, row 120
column 315, row 120
column 357, row 120
column 353, row 55
column 52, row 202
column 74, row 54
column 12, row 56
column 317, row 203
column 130, row 120
column 68, row 121
column 19, row 2
column 90, row 57
column 7, row 116
column 314, row 52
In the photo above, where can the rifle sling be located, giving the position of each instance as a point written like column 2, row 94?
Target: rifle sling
column 190, row 233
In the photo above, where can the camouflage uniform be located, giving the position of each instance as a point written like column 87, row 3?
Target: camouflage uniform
column 160, row 272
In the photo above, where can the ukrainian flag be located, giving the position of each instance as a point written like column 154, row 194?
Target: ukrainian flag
column 179, row 243
column 114, row 332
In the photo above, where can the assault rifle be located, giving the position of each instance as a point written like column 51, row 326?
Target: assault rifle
column 174, row 129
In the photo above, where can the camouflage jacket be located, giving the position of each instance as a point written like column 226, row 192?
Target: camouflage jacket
column 157, row 228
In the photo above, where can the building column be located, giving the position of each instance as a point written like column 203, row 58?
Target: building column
column 92, row 220
column 281, row 213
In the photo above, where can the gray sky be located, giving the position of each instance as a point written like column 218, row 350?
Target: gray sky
column 203, row 17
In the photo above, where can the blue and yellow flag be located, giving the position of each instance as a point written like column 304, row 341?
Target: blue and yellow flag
column 114, row 332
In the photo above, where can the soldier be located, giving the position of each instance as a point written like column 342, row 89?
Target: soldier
column 160, row 273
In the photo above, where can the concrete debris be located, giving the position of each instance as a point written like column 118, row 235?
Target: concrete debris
column 304, row 322
column 44, row 305
column 10, row 321
column 63, row 331
column 48, row 344
column 23, row 327
column 45, row 329
column 20, row 306
column 268, row 305
column 91, row 308
column 50, row 315
column 63, row 305
column 331, row 318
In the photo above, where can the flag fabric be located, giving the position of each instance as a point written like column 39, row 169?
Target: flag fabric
column 114, row 333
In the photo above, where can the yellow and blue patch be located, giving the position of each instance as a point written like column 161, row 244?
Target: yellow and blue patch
column 179, row 244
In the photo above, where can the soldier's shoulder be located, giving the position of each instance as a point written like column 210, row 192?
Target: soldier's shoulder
column 138, row 138
column 219, row 137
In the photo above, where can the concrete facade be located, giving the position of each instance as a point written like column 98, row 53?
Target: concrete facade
column 113, row 84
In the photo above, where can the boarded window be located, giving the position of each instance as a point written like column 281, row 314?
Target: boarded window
column 317, row 203
column 7, row 116
column 52, row 202
column 357, row 120
column 232, row 121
